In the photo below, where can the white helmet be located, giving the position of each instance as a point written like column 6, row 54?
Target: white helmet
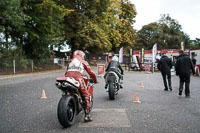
column 79, row 53
column 115, row 58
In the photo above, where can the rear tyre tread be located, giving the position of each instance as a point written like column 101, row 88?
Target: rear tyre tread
column 111, row 91
column 66, row 111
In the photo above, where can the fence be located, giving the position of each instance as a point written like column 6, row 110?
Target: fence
column 29, row 65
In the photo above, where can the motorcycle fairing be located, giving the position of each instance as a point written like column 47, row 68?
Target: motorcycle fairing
column 111, row 74
column 73, row 81
column 70, row 80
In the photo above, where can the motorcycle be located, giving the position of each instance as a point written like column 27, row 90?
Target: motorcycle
column 71, row 102
column 113, row 81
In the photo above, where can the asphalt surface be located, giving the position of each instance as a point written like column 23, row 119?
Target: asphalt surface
column 23, row 110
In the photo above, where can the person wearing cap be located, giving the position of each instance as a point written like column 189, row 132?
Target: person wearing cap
column 165, row 65
column 183, row 68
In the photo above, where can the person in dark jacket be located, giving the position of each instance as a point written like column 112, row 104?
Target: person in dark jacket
column 164, row 65
column 183, row 68
column 114, row 65
column 194, row 61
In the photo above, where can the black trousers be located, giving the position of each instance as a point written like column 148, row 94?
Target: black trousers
column 184, row 78
column 165, row 78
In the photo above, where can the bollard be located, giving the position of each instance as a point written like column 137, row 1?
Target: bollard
column 32, row 65
column 13, row 66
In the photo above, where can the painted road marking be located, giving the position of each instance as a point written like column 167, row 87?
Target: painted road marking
column 107, row 118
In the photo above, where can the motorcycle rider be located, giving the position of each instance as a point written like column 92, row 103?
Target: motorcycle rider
column 114, row 65
column 75, row 69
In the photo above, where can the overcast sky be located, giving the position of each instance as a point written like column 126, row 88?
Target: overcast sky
column 186, row 12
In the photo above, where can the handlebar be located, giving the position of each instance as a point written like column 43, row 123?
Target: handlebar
column 89, row 79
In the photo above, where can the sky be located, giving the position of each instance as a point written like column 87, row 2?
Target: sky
column 186, row 12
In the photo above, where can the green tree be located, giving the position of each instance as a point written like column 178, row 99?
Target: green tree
column 127, row 16
column 195, row 43
column 82, row 26
column 30, row 27
column 11, row 20
column 112, row 22
column 99, row 26
column 148, row 36
column 167, row 33
column 11, row 29
column 119, row 20
column 44, row 28
column 172, row 33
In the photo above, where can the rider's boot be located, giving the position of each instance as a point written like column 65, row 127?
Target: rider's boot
column 106, row 86
column 87, row 118
column 121, row 86
column 121, row 83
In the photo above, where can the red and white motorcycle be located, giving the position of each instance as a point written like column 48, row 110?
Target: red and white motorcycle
column 71, row 102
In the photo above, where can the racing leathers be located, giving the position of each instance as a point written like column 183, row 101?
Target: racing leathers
column 75, row 69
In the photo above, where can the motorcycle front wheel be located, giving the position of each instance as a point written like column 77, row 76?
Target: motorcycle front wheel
column 111, row 91
column 66, row 111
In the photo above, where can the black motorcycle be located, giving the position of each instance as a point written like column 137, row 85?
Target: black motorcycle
column 113, row 84
column 71, row 102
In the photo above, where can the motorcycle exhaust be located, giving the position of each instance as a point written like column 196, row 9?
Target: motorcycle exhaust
column 64, row 84
column 58, row 84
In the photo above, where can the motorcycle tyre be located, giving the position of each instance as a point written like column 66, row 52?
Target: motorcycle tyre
column 111, row 91
column 65, row 103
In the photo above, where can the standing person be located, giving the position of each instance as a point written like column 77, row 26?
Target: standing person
column 193, row 59
column 183, row 67
column 174, row 62
column 164, row 65
column 75, row 69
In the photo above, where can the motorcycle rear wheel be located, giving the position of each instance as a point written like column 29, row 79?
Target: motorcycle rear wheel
column 66, row 111
column 111, row 91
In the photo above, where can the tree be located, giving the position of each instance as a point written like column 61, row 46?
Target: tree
column 30, row 26
column 167, row 33
column 11, row 20
column 43, row 29
column 83, row 27
column 127, row 16
column 195, row 43
column 99, row 26
column 119, row 20
column 148, row 36
column 171, row 32
column 11, row 28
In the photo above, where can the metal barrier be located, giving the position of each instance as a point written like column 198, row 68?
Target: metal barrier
column 28, row 66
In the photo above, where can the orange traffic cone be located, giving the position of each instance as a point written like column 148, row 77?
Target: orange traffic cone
column 43, row 94
column 141, row 84
column 136, row 99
